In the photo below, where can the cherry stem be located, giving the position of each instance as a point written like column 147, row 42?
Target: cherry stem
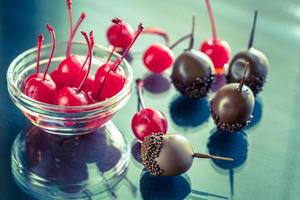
column 244, row 77
column 140, row 86
column 180, row 40
column 40, row 40
column 120, row 23
column 200, row 155
column 212, row 20
column 119, row 60
column 191, row 46
column 158, row 31
column 52, row 32
column 78, row 23
column 251, row 39
column 90, row 43
column 69, row 5
column 115, row 65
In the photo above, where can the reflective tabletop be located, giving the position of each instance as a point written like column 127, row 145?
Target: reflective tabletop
column 267, row 151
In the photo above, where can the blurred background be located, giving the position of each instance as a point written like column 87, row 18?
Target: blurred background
column 269, row 149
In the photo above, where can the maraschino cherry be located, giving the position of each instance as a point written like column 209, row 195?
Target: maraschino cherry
column 158, row 57
column 147, row 121
column 217, row 49
column 120, row 41
column 40, row 86
column 109, row 78
column 64, row 74
column 40, row 40
column 71, row 96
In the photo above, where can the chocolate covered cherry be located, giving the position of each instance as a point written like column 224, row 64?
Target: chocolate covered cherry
column 258, row 65
column 169, row 155
column 193, row 72
column 232, row 106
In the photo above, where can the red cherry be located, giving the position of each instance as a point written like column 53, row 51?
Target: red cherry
column 41, row 90
column 71, row 96
column 109, row 79
column 88, row 85
column 158, row 58
column 64, row 75
column 40, row 40
column 218, row 50
column 40, row 86
column 68, row 96
column 147, row 121
column 122, row 41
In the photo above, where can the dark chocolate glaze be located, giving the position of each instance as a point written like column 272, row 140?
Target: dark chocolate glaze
column 257, row 71
column 232, row 109
column 173, row 157
column 192, row 74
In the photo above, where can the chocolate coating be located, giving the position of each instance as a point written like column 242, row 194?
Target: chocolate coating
column 173, row 156
column 257, row 71
column 232, row 109
column 193, row 74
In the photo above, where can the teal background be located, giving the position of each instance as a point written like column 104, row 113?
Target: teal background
column 271, row 170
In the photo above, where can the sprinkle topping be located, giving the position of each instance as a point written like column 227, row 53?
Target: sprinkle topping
column 150, row 150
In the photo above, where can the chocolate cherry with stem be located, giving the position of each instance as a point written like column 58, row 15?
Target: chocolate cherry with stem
column 109, row 79
column 71, row 96
column 147, row 121
column 158, row 57
column 232, row 106
column 217, row 49
column 193, row 71
column 170, row 154
column 258, row 65
column 41, row 87
column 64, row 74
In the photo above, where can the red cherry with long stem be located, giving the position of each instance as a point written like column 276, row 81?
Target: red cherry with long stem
column 89, row 84
column 42, row 87
column 71, row 96
column 40, row 40
column 217, row 49
column 109, row 79
column 64, row 74
column 147, row 121
column 158, row 57
column 120, row 41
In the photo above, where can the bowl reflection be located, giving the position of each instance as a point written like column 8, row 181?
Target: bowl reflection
column 69, row 167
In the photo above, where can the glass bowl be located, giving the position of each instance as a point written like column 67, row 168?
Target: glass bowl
column 53, row 118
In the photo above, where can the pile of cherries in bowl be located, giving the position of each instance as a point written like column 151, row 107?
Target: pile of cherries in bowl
column 71, row 87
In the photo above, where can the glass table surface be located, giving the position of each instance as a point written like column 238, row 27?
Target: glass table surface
column 268, row 149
